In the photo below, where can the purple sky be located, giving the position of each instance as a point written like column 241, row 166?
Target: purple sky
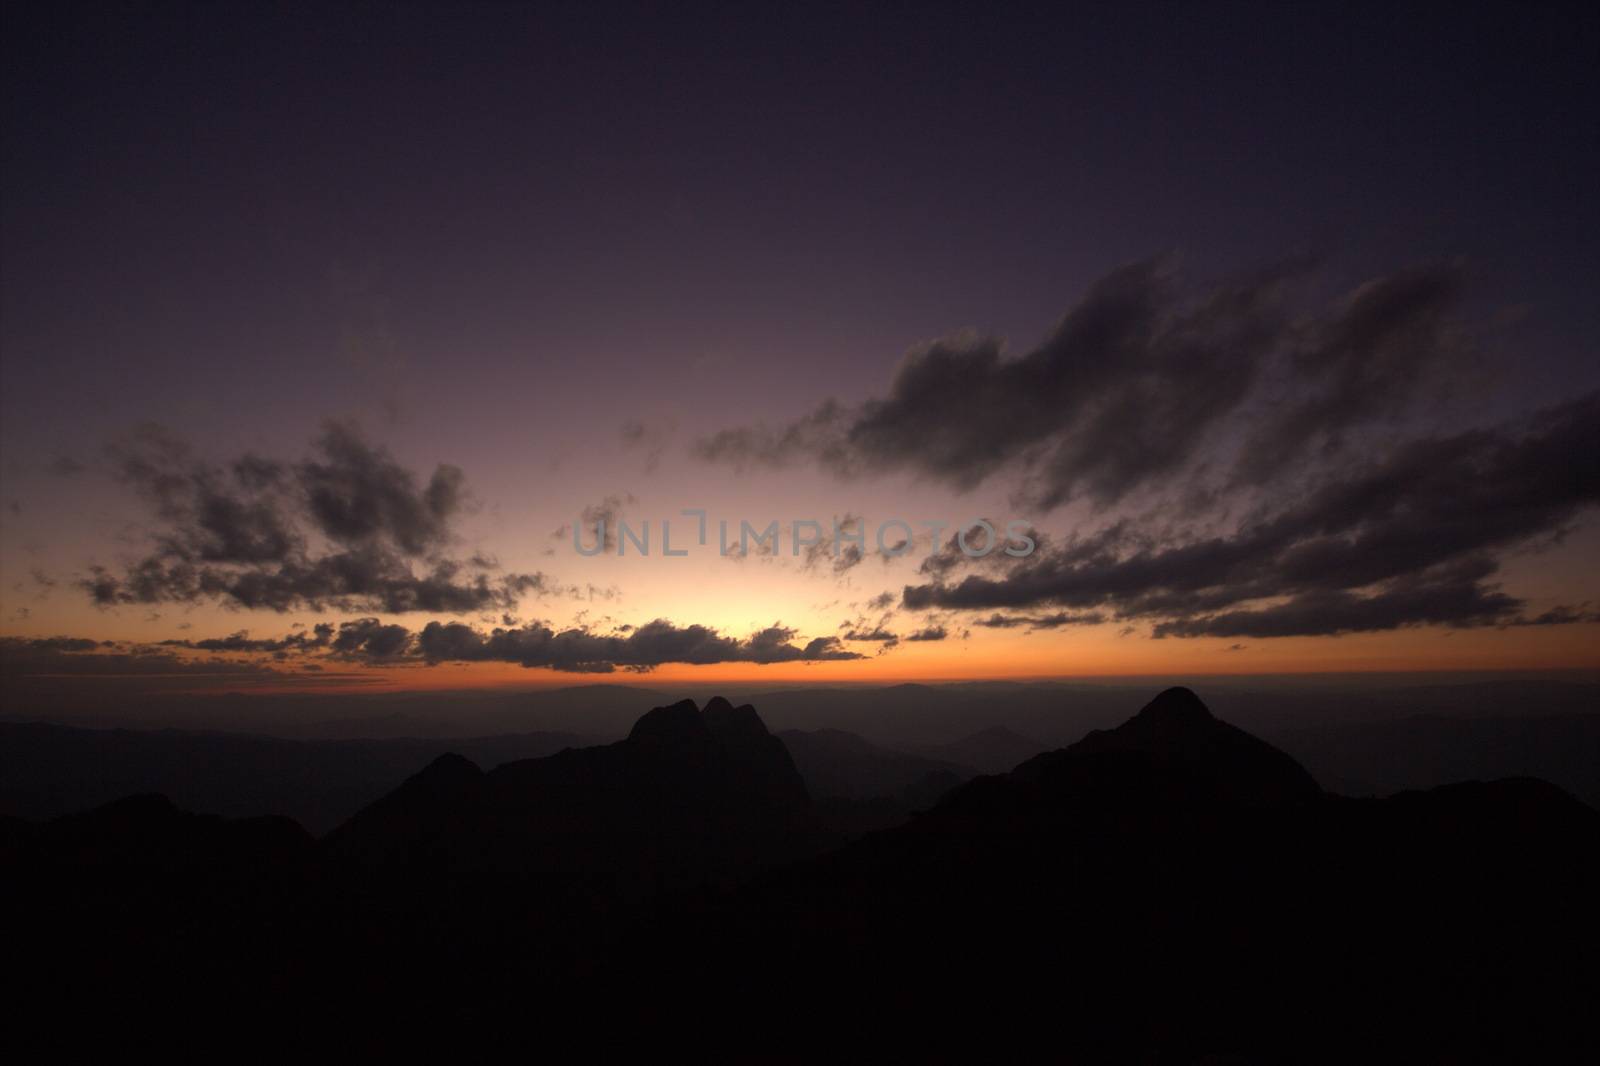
column 494, row 237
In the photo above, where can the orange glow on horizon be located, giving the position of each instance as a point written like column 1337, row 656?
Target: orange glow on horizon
column 1016, row 657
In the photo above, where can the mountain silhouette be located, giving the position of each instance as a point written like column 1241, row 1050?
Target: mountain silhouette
column 49, row 770
column 994, row 750
column 687, row 791
column 1176, row 737
column 840, row 764
column 1169, row 890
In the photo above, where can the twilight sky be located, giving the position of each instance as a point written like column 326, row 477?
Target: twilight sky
column 322, row 325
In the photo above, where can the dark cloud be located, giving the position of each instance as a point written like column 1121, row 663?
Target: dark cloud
column 348, row 529
column 838, row 546
column 1120, row 393
column 814, row 436
column 980, row 551
column 319, row 637
column 358, row 495
column 361, row 640
column 370, row 579
column 1453, row 596
column 653, row 644
column 76, row 657
column 367, row 638
column 1138, row 383
column 1410, row 538
column 1055, row 620
column 52, row 644
column 927, row 633
column 577, row 649
column 1560, row 616
column 598, row 522
column 649, row 438
column 1364, row 362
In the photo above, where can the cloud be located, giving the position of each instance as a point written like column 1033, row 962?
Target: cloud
column 982, row 551
column 363, row 639
column 1561, row 616
column 1361, row 364
column 347, row 528
column 319, row 637
column 580, row 649
column 1140, row 382
column 1046, row 621
column 811, row 436
column 650, row 438
column 876, row 634
column 838, row 546
column 52, row 645
column 1453, row 596
column 1119, row 394
column 371, row 642
column 78, row 657
column 928, row 633
column 367, row 638
column 1406, row 539
column 358, row 495
column 599, row 520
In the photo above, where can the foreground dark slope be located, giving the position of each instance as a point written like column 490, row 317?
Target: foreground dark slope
column 1171, row 889
column 1162, row 891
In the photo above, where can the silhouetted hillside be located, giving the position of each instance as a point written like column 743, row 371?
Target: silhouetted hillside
column 1179, row 737
column 48, row 770
column 1425, row 751
column 994, row 750
column 1163, row 891
column 1359, row 734
column 689, row 793
column 839, row 764
column 1174, row 889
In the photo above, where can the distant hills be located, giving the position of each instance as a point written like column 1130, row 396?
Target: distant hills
column 1357, row 740
column 992, row 750
column 1171, row 888
column 688, row 792
column 48, row 770
column 840, row 764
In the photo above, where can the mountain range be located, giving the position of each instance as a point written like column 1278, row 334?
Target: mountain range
column 1170, row 889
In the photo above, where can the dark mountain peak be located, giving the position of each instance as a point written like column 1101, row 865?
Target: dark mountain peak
column 685, row 791
column 1177, row 706
column 449, row 776
column 152, row 805
column 1175, row 734
column 675, row 723
column 994, row 732
column 728, row 722
column 830, row 740
column 759, row 764
column 450, row 768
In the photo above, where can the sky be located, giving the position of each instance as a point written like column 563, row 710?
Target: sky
column 1269, row 329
